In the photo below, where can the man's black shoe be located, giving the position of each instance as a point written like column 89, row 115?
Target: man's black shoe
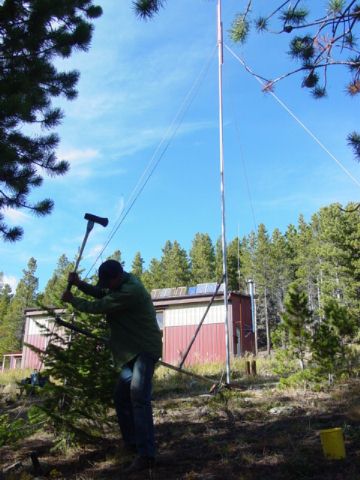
column 139, row 464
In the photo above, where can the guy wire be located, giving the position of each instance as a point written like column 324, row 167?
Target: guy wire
column 285, row 107
column 158, row 154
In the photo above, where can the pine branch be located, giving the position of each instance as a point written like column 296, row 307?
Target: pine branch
column 31, row 36
column 146, row 9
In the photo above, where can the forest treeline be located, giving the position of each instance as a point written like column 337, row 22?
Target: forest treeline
column 321, row 257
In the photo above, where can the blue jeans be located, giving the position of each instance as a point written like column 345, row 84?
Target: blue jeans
column 132, row 398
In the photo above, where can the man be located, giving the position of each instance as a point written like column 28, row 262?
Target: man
column 34, row 378
column 136, row 344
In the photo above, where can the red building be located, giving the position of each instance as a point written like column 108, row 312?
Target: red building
column 11, row 361
column 179, row 315
column 35, row 321
column 179, row 312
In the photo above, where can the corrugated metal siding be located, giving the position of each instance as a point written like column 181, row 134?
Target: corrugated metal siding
column 248, row 337
column 209, row 345
column 180, row 322
column 192, row 315
column 36, row 327
column 33, row 336
column 241, row 313
column 30, row 359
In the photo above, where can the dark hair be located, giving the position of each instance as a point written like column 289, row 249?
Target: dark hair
column 107, row 271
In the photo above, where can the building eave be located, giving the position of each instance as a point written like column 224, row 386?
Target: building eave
column 190, row 299
column 32, row 312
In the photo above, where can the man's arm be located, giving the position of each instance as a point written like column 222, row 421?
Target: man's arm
column 108, row 303
column 85, row 287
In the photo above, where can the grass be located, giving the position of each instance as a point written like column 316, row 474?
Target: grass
column 230, row 435
column 14, row 375
column 168, row 381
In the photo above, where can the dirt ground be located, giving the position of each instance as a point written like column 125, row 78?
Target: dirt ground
column 253, row 433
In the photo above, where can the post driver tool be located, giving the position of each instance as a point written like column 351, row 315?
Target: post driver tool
column 92, row 219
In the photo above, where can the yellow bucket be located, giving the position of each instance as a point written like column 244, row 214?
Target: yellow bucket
column 332, row 441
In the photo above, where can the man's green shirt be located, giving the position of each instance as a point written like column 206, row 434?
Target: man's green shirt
column 131, row 317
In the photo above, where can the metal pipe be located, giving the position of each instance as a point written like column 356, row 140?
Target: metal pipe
column 251, row 285
column 222, row 189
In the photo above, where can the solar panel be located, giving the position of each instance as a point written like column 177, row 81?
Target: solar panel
column 155, row 293
column 211, row 287
column 180, row 291
column 201, row 288
column 165, row 292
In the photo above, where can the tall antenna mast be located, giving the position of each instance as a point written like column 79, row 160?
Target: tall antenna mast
column 222, row 188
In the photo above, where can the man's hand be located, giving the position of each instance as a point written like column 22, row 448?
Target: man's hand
column 74, row 279
column 67, row 296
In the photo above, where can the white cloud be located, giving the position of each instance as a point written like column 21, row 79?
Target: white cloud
column 12, row 281
column 119, row 207
column 77, row 156
column 93, row 106
column 81, row 162
column 15, row 216
column 145, row 137
column 90, row 162
column 94, row 252
column 87, row 163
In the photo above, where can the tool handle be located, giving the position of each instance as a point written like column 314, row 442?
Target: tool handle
column 89, row 227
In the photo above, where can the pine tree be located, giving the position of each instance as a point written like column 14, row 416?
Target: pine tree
column 279, row 262
column 307, row 271
column 175, row 265
column 263, row 281
column 14, row 320
column 154, row 277
column 297, row 320
column 338, row 247
column 34, row 35
column 218, row 259
column 138, row 265
column 57, row 284
column 330, row 344
column 116, row 256
column 76, row 400
column 233, row 265
column 202, row 258
column 317, row 43
column 247, row 255
column 291, row 237
column 81, row 373
column 5, row 299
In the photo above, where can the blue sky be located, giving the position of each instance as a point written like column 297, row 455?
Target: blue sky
column 134, row 80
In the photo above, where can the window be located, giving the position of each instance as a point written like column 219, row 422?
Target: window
column 160, row 319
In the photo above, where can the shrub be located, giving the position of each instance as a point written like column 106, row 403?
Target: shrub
column 308, row 379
